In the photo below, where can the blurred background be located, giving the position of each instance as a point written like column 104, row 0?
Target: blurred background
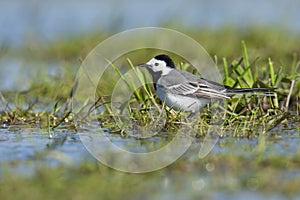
column 34, row 20
column 42, row 36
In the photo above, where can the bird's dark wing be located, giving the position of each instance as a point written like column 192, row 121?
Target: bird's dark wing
column 187, row 84
column 197, row 89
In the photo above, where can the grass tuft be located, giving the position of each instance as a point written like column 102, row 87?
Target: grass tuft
column 47, row 104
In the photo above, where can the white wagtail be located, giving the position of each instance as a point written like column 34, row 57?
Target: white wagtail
column 181, row 90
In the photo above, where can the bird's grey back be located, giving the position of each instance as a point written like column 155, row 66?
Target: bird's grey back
column 177, row 76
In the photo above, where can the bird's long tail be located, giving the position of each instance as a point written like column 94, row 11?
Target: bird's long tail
column 256, row 91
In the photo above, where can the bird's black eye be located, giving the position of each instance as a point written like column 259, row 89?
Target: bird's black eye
column 156, row 64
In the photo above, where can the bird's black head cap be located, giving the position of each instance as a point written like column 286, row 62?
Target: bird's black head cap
column 165, row 58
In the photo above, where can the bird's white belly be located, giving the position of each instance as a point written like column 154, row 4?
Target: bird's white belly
column 183, row 103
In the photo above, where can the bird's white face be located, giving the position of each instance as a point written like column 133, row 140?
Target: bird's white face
column 159, row 66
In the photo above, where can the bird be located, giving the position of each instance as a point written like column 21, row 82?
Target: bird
column 184, row 91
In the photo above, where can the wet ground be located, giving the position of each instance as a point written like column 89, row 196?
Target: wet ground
column 262, row 167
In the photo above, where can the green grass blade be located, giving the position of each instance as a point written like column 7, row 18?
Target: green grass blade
column 248, row 73
column 272, row 72
column 226, row 73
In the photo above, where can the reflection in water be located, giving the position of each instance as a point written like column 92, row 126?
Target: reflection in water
column 65, row 148
column 25, row 151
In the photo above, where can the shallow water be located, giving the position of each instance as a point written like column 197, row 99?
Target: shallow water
column 220, row 175
column 23, row 151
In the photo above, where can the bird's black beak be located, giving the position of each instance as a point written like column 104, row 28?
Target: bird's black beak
column 144, row 65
